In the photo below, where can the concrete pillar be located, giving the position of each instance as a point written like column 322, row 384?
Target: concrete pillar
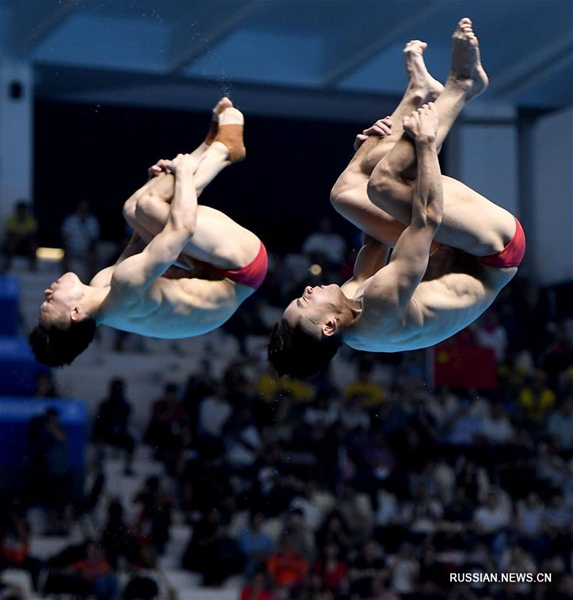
column 16, row 131
column 552, row 182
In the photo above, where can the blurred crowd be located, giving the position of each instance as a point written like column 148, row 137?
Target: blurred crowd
column 378, row 488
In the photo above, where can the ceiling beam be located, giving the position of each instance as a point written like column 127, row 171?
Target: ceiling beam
column 351, row 53
column 524, row 73
column 32, row 22
column 217, row 21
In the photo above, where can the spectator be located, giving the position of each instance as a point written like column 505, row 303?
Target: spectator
column 80, row 236
column 255, row 544
column 356, row 508
column 199, row 385
column 461, row 426
column 257, row 588
column 20, row 230
column 211, row 552
column 366, row 568
column 516, row 560
column 242, row 441
column 213, row 414
column 496, row 428
column 332, row 571
column 15, row 541
column 324, row 246
column 155, row 514
column 370, row 393
column 404, row 572
column 491, row 334
column 46, row 386
column 95, row 569
column 51, row 463
column 111, row 425
column 491, row 521
column 120, row 540
column 287, row 568
column 166, row 420
column 558, row 520
column 536, row 399
column 560, row 428
column 334, row 530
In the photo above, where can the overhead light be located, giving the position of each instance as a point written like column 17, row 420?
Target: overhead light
column 49, row 254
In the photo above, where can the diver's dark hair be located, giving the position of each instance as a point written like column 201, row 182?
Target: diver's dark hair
column 58, row 347
column 293, row 352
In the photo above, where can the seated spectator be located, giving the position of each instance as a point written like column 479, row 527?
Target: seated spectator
column 558, row 520
column 323, row 412
column 301, row 536
column 550, row 468
column 433, row 576
column 334, row 530
column 163, row 430
column 51, row 469
column 404, row 572
column 366, row 568
column 214, row 411
column 490, row 333
column 257, row 588
column 560, row 427
column 496, row 428
column 353, row 417
column 529, row 525
column 155, row 514
column 211, row 552
column 332, row 571
column 536, row 399
column 490, row 522
column 80, row 236
column 356, row 508
column 425, row 513
column 516, row 560
column 370, row 393
column 243, row 442
column 120, row 539
column 461, row 426
column 255, row 544
column 111, row 425
column 200, row 384
column 473, row 480
column 15, row 541
column 325, row 246
column 97, row 572
column 46, row 386
column 20, row 230
column 286, row 567
column 308, row 504
column 460, row 510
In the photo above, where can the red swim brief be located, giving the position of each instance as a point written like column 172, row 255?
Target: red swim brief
column 253, row 274
column 512, row 254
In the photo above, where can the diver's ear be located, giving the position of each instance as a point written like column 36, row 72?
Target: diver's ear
column 330, row 327
column 77, row 314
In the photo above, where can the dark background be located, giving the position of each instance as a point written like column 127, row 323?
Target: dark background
column 102, row 153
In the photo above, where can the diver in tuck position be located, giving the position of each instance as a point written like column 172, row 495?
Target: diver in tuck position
column 186, row 270
column 453, row 249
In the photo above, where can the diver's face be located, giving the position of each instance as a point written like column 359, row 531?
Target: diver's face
column 59, row 300
column 312, row 307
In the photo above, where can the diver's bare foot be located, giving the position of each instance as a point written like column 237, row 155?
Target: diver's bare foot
column 222, row 105
column 466, row 63
column 230, row 133
column 419, row 79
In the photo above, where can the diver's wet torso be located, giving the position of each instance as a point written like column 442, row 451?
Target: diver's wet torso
column 180, row 303
column 454, row 292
